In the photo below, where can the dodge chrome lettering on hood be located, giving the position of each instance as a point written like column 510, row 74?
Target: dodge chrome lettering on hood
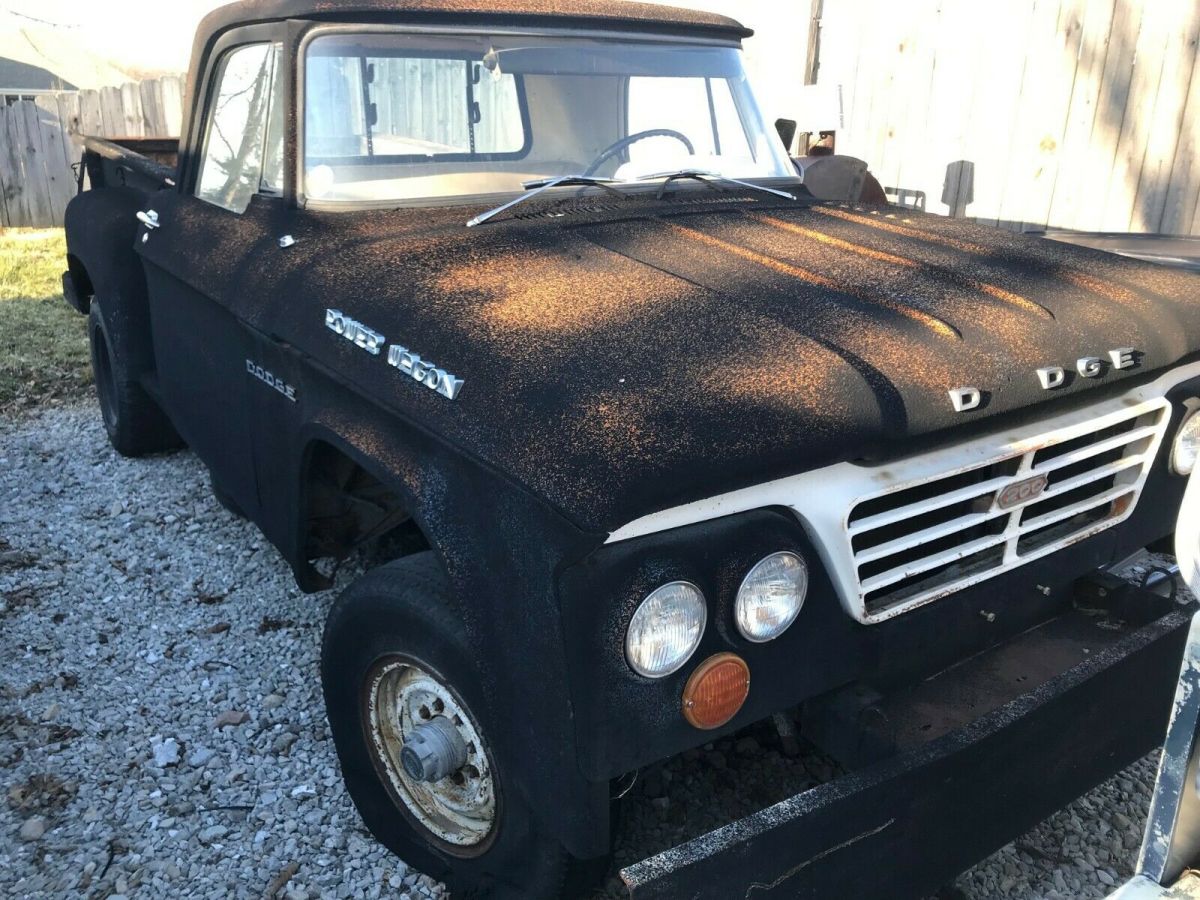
column 964, row 399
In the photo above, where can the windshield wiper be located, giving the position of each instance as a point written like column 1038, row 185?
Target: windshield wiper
column 537, row 185
column 703, row 175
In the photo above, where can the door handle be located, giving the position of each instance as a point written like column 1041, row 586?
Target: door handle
column 149, row 219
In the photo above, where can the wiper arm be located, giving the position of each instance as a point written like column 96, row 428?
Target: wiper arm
column 702, row 175
column 537, row 185
column 594, row 180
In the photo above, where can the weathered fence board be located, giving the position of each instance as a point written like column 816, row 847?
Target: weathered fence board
column 38, row 150
column 1026, row 113
column 1095, row 22
column 34, row 162
column 12, row 177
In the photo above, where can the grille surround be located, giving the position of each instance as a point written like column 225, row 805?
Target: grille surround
column 923, row 538
column 821, row 499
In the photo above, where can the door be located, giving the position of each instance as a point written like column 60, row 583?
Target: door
column 204, row 248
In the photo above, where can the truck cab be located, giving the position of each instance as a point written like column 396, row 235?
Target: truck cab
column 650, row 443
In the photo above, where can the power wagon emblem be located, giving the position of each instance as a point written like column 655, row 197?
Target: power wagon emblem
column 420, row 370
column 354, row 331
column 1021, row 492
column 424, row 371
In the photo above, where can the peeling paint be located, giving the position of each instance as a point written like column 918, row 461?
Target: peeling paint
column 758, row 886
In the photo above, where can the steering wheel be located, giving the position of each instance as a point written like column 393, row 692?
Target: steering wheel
column 617, row 146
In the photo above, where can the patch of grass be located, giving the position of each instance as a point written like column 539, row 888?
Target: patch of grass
column 43, row 342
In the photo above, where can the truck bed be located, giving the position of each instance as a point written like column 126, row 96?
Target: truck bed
column 146, row 164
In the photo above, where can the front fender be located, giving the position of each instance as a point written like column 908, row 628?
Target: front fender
column 501, row 549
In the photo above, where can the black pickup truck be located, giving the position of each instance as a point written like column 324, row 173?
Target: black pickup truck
column 651, row 443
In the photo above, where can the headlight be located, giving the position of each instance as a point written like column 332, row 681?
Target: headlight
column 771, row 596
column 666, row 629
column 1187, row 444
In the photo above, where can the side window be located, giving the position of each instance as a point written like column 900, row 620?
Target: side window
column 243, row 143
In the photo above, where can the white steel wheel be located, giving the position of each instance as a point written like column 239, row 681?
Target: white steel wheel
column 459, row 810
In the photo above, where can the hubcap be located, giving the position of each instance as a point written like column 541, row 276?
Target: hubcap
column 406, row 703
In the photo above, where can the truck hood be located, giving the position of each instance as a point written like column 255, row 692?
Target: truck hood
column 619, row 364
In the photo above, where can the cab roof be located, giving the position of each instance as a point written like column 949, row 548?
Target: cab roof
column 563, row 13
column 594, row 14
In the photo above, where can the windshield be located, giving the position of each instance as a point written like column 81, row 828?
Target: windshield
column 392, row 116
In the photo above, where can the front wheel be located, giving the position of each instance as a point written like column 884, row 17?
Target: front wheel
column 412, row 729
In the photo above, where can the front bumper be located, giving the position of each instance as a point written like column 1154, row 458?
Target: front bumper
column 904, row 826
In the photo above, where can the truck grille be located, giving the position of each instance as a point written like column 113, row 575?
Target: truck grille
column 924, row 539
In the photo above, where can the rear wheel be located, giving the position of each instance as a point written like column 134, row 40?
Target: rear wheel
column 411, row 725
column 135, row 424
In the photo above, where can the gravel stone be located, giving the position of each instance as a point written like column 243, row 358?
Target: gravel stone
column 33, row 829
column 212, row 833
column 166, row 753
column 747, row 746
column 230, row 717
column 200, row 757
column 283, row 743
column 120, row 568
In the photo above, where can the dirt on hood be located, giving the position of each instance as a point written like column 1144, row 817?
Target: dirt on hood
column 623, row 358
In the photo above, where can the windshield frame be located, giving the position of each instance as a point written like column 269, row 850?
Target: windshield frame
column 346, row 28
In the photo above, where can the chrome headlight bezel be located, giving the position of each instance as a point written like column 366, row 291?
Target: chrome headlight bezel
column 1190, row 418
column 697, row 611
column 741, row 608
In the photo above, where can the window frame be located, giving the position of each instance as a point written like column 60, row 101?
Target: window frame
column 402, row 158
column 315, row 30
column 192, row 163
column 219, row 69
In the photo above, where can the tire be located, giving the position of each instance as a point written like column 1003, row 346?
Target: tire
column 135, row 424
column 227, row 502
column 399, row 615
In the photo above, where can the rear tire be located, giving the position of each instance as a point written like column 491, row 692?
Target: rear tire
column 225, row 500
column 398, row 616
column 135, row 424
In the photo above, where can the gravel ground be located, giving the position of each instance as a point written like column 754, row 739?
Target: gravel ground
column 162, row 730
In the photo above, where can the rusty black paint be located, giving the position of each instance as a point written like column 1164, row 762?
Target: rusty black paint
column 637, row 389
column 619, row 358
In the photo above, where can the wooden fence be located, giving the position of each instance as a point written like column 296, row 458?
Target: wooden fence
column 1025, row 113
column 37, row 147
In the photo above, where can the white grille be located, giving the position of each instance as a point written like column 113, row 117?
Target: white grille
column 922, row 539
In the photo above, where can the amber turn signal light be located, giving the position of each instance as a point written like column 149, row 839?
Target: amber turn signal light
column 716, row 691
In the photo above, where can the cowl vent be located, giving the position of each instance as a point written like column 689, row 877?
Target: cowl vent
column 569, row 208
